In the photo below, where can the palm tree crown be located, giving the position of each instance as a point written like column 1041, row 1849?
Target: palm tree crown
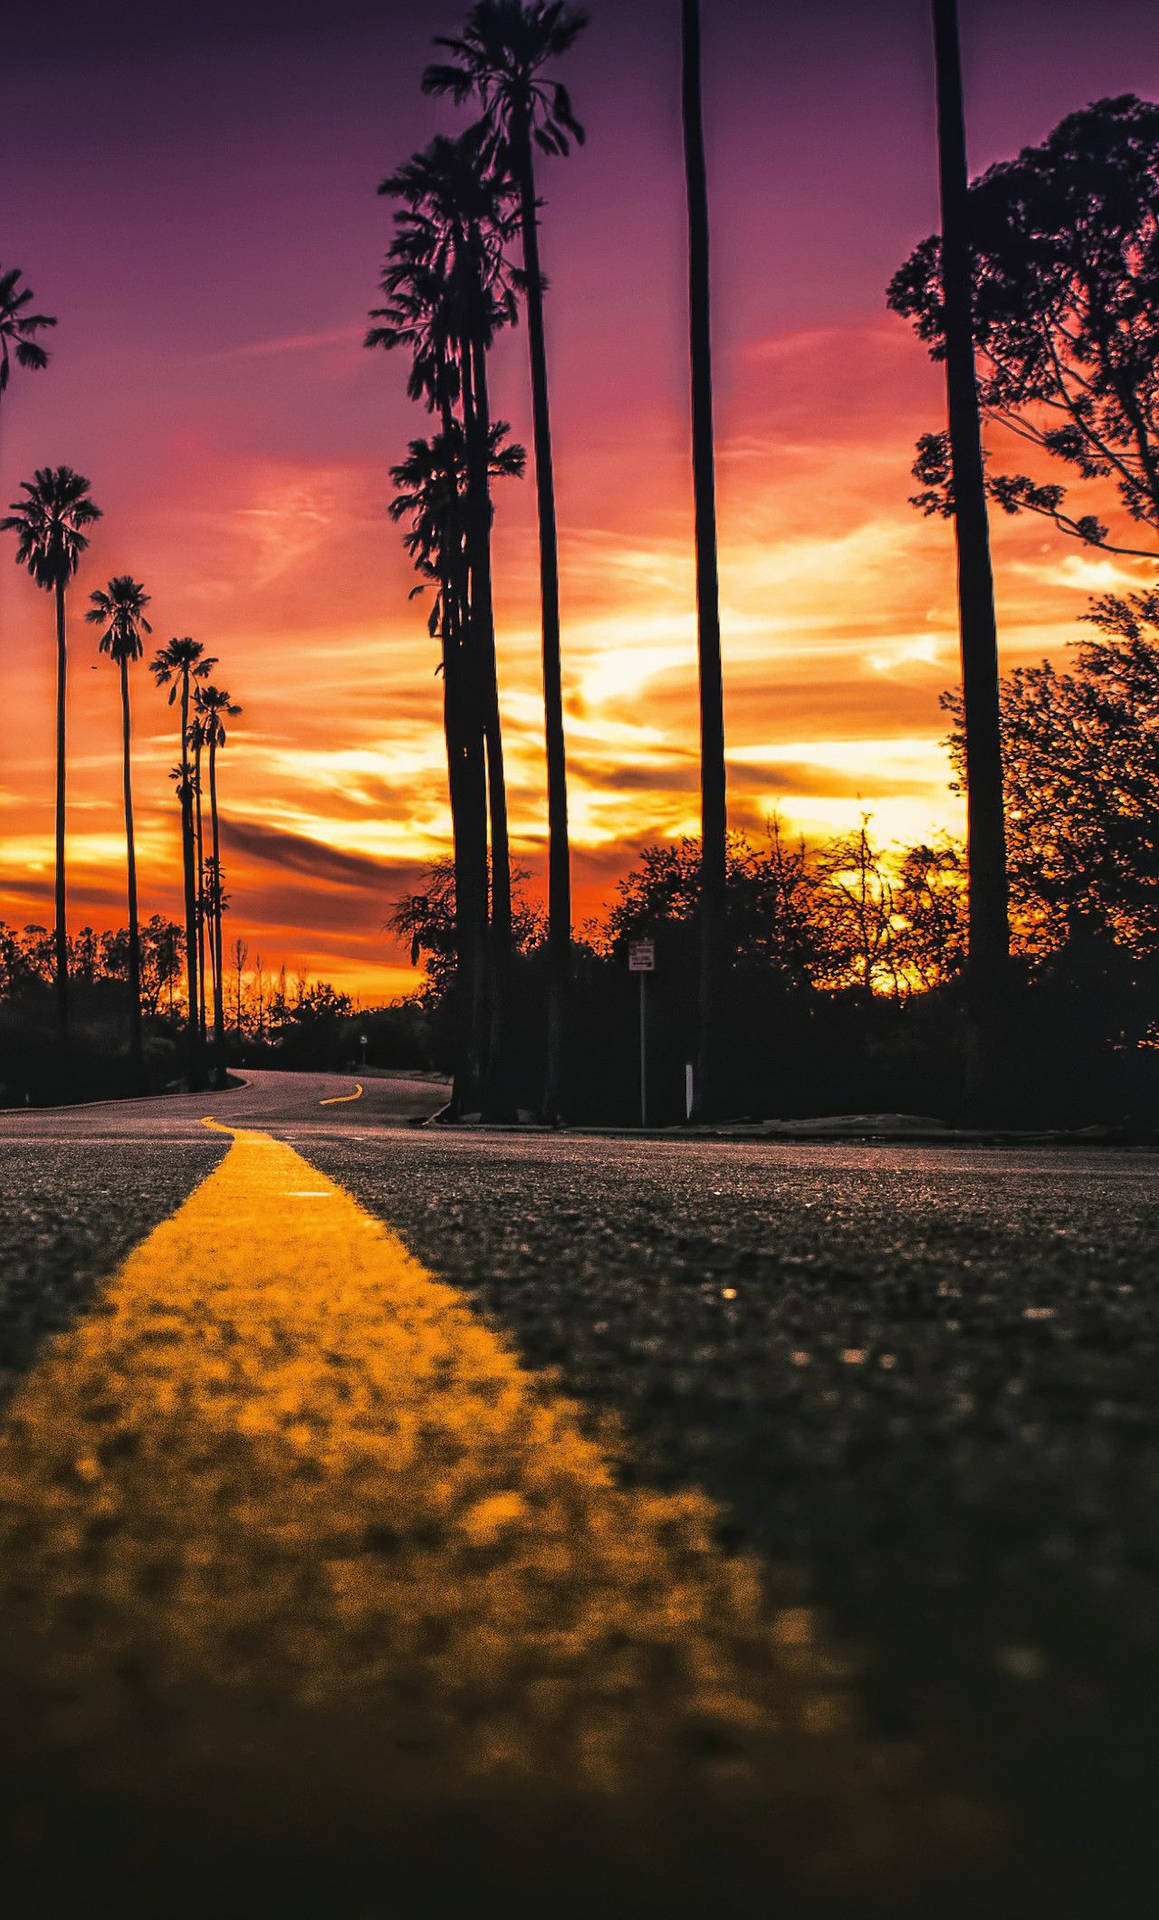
column 432, row 481
column 213, row 707
column 17, row 328
column 120, row 608
column 181, row 661
column 48, row 524
column 499, row 55
column 447, row 278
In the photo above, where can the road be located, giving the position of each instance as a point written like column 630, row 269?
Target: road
column 398, row 1517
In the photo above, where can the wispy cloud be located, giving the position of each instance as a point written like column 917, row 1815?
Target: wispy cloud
column 287, row 343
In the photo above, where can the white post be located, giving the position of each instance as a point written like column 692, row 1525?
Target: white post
column 688, row 1089
column 643, row 1053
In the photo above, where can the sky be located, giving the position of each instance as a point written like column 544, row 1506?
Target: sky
column 194, row 196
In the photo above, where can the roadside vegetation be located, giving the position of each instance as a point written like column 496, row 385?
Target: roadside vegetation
column 1010, row 976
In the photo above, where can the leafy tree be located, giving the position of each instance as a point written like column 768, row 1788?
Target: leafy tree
column 1081, row 752
column 27, row 960
column 770, row 924
column 17, row 327
column 854, row 910
column 929, row 899
column 160, row 960
column 1065, row 309
column 499, row 58
column 120, row 609
column 177, row 666
column 309, row 1023
column 427, row 921
column 239, row 953
column 48, row 525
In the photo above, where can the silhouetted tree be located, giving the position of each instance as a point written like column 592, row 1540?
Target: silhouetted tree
column 989, row 949
column 450, row 290
column 1065, row 283
column 196, row 748
column 48, row 527
column 17, row 327
column 240, row 954
column 929, row 899
column 214, row 708
column 500, row 57
column 854, row 911
column 771, row 918
column 433, row 484
column 120, row 609
column 176, row 667
column 1081, row 757
column 160, row 941
column 713, row 801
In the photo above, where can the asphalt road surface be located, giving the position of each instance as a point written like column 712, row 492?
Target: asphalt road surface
column 397, row 1519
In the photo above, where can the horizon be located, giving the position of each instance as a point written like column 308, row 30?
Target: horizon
column 237, row 437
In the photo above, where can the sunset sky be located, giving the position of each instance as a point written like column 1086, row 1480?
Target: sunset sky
column 195, row 198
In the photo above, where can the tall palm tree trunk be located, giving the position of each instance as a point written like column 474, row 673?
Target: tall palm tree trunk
column 473, row 814
column 713, row 805
column 193, row 1028
column 478, row 435
column 989, row 948
column 200, row 840
column 467, row 790
column 468, row 795
column 131, row 866
column 464, row 767
column 558, row 855
column 61, row 927
column 215, row 924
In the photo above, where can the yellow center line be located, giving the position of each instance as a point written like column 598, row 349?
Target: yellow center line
column 337, row 1099
column 281, row 1460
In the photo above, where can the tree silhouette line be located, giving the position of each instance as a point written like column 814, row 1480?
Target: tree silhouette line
column 50, row 524
column 451, row 285
column 1040, row 295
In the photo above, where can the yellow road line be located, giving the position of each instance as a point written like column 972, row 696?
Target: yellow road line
column 337, row 1099
column 281, row 1461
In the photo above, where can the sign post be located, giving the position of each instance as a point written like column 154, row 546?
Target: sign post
column 642, row 960
column 362, row 1039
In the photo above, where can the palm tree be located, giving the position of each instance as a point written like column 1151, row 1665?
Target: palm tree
column 17, row 328
column 50, row 542
column 450, row 290
column 241, row 954
column 213, row 709
column 713, row 799
column 499, row 57
column 120, row 609
column 196, row 746
column 989, row 949
column 176, row 667
column 432, row 484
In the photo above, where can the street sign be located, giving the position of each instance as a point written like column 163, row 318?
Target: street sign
column 641, row 956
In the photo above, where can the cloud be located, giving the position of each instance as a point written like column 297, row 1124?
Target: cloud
column 276, row 847
column 288, row 343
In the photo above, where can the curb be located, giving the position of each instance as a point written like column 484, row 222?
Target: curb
column 125, row 1099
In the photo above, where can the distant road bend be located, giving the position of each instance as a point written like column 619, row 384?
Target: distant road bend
column 391, row 1518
